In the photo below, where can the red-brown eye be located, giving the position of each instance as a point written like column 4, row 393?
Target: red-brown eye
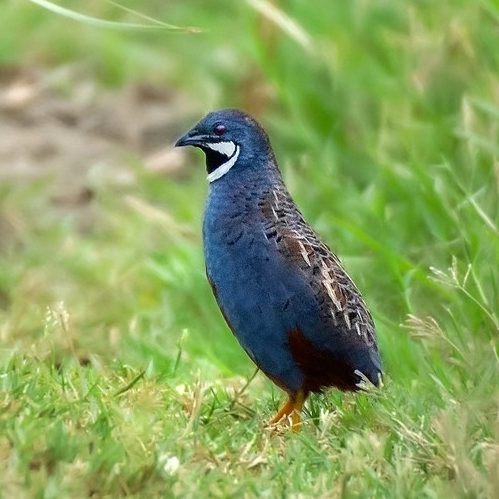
column 219, row 129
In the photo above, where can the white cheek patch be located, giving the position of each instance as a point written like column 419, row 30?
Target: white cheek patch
column 227, row 148
column 224, row 167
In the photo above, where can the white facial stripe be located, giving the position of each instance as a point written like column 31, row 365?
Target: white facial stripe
column 224, row 167
column 226, row 148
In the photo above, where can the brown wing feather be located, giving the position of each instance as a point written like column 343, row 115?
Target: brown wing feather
column 339, row 299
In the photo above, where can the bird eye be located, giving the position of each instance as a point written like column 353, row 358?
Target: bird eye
column 219, row 129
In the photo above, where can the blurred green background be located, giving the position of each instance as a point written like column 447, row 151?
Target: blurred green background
column 118, row 374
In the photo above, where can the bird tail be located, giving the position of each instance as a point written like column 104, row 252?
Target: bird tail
column 369, row 370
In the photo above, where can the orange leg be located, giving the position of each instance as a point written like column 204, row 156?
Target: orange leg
column 292, row 409
column 296, row 414
column 284, row 412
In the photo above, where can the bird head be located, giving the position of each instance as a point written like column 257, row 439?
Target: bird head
column 227, row 137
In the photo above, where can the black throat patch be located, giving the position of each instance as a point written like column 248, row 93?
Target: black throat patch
column 214, row 159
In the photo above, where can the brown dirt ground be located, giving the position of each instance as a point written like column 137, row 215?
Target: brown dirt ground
column 60, row 124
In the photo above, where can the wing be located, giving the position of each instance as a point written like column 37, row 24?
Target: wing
column 341, row 304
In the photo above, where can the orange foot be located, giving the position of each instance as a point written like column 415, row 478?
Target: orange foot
column 291, row 409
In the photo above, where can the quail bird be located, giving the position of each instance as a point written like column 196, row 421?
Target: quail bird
column 282, row 292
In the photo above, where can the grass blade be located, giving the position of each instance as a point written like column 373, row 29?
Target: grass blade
column 104, row 23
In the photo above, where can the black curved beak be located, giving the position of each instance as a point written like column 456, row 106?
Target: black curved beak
column 193, row 138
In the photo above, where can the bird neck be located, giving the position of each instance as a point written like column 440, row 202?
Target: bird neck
column 249, row 175
column 241, row 189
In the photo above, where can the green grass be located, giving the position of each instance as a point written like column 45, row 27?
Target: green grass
column 118, row 375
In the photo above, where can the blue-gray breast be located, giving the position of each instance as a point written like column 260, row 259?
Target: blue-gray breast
column 281, row 290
